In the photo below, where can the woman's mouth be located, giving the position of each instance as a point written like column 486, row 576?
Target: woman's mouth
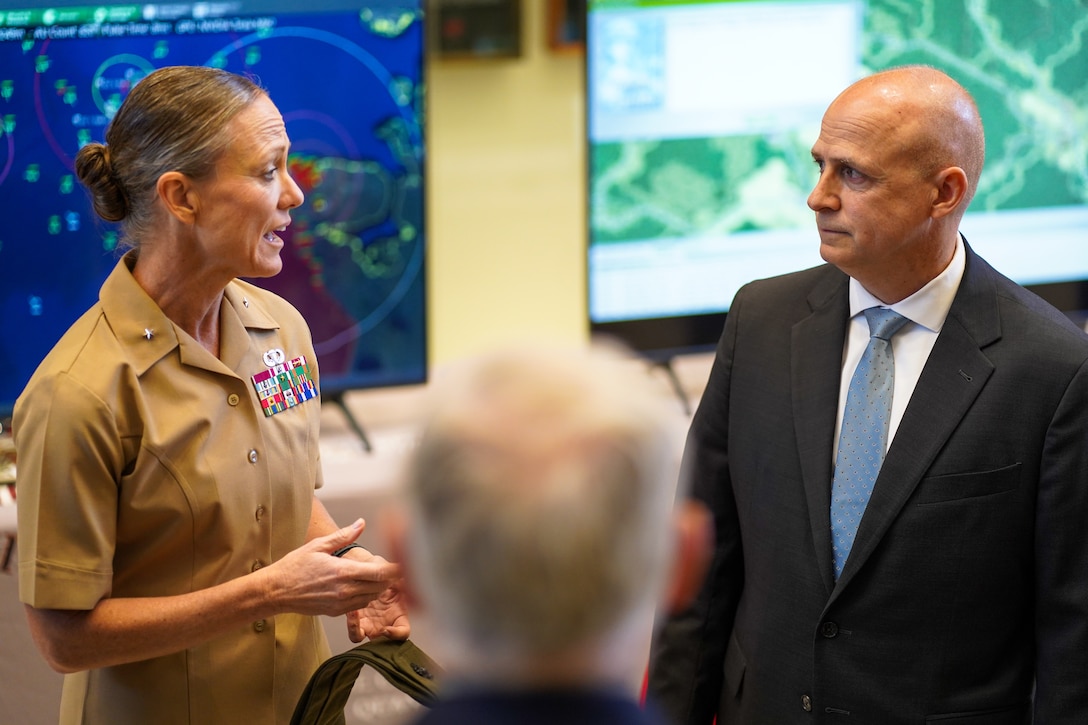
column 273, row 236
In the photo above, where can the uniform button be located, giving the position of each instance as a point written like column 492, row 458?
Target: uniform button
column 256, row 565
column 233, row 399
column 253, row 456
column 806, row 703
column 829, row 630
column 260, row 513
column 259, row 625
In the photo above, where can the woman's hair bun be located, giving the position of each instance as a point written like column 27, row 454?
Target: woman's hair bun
column 95, row 171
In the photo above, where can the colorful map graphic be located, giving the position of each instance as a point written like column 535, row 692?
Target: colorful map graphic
column 349, row 85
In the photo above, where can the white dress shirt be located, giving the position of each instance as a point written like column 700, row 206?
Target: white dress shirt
column 926, row 309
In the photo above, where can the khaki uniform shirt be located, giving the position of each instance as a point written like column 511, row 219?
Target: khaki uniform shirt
column 147, row 467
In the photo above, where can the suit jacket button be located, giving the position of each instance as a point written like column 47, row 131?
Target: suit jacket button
column 829, row 630
column 806, row 703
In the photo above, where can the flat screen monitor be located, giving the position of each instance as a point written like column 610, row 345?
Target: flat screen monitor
column 348, row 79
column 702, row 115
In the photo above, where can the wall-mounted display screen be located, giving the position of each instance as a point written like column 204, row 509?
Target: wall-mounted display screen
column 701, row 117
column 348, row 79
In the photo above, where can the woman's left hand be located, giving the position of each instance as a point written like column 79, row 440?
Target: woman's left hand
column 385, row 616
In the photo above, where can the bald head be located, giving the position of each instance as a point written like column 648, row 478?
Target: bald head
column 900, row 154
column 937, row 122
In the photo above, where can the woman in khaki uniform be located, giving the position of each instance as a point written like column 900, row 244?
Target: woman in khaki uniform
column 173, row 555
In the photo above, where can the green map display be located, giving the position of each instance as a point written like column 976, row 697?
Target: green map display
column 1026, row 63
column 666, row 170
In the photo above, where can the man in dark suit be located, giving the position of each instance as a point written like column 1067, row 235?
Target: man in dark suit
column 539, row 536
column 964, row 595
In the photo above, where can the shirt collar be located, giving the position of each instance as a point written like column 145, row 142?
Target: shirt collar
column 243, row 298
column 928, row 306
column 141, row 328
column 148, row 335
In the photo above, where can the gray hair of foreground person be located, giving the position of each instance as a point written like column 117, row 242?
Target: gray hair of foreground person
column 541, row 530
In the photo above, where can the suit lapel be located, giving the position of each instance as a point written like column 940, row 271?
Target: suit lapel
column 816, row 359
column 952, row 378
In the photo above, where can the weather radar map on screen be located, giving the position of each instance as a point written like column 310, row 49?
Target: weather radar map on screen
column 348, row 79
column 701, row 117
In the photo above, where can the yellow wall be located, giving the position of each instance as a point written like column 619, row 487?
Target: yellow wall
column 506, row 197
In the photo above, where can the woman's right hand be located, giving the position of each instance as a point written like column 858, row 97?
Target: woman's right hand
column 310, row 580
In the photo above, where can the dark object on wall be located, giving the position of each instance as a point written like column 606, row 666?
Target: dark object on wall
column 567, row 25
column 476, row 28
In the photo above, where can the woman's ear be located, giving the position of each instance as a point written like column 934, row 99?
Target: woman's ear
column 694, row 548
column 178, row 195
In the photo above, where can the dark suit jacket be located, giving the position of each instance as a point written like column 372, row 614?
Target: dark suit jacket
column 550, row 707
column 968, row 579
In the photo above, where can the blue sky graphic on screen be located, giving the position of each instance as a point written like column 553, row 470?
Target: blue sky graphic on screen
column 348, row 79
column 701, row 117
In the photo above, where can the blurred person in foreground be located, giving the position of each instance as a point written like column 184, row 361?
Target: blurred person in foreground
column 962, row 595
column 538, row 535
column 172, row 554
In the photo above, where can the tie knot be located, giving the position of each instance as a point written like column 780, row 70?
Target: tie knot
column 884, row 323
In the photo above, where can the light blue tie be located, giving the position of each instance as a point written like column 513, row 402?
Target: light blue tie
column 864, row 432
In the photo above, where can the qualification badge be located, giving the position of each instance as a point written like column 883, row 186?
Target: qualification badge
column 285, row 384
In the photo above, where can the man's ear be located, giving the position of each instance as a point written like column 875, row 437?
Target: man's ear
column 178, row 195
column 951, row 191
column 694, row 548
column 395, row 525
